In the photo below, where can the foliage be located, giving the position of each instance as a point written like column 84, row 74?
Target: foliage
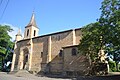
column 110, row 21
column 5, row 38
column 90, row 43
column 6, row 45
column 104, row 34
column 99, row 69
column 112, row 66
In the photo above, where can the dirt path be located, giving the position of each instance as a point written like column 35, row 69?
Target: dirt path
column 5, row 76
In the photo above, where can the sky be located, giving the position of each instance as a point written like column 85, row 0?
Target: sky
column 51, row 15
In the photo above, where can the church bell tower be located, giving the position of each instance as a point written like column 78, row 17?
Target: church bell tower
column 31, row 30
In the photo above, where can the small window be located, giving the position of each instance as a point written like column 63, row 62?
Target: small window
column 27, row 32
column 60, row 53
column 34, row 32
column 74, row 52
column 41, row 54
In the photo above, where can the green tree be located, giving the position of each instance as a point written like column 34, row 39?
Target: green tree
column 110, row 22
column 104, row 34
column 90, row 43
column 5, row 42
column 112, row 66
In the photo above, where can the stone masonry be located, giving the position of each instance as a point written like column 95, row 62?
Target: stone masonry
column 45, row 53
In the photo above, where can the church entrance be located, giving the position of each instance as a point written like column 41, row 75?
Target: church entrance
column 24, row 59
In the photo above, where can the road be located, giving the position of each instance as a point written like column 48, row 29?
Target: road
column 23, row 75
column 5, row 76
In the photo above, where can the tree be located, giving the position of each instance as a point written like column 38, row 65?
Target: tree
column 110, row 22
column 104, row 33
column 90, row 43
column 5, row 38
column 5, row 43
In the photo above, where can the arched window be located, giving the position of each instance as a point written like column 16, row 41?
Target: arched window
column 27, row 32
column 34, row 32
column 74, row 51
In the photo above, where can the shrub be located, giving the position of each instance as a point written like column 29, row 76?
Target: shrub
column 112, row 66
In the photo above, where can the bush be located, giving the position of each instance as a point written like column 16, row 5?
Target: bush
column 99, row 69
column 112, row 66
column 119, row 68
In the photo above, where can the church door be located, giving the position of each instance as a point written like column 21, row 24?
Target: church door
column 24, row 57
column 25, row 61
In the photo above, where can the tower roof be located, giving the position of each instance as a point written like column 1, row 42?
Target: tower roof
column 32, row 21
column 19, row 33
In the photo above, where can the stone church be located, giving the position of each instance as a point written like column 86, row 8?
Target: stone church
column 50, row 53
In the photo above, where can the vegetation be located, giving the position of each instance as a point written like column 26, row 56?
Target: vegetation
column 112, row 66
column 110, row 20
column 90, row 43
column 6, row 45
column 104, row 34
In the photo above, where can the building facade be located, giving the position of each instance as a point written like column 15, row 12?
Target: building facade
column 52, row 53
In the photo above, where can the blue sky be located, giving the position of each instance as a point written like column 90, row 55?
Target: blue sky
column 51, row 15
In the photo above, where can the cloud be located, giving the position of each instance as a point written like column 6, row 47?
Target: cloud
column 14, row 32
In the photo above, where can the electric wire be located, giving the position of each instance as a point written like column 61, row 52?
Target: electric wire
column 4, row 9
column 1, row 2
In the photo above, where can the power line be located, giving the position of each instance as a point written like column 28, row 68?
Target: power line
column 4, row 9
column 1, row 2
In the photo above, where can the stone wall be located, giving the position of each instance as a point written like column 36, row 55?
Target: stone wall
column 57, row 42
column 20, row 45
column 36, row 54
column 78, row 35
column 17, row 52
column 74, row 63
column 46, row 50
column 40, row 52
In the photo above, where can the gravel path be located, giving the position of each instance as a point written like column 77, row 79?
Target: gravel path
column 24, row 75
column 5, row 76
